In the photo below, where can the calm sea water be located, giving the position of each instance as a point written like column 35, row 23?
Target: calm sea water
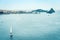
column 30, row 26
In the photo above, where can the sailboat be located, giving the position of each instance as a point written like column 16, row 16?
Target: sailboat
column 11, row 35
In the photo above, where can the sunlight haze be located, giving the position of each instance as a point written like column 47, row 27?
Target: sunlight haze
column 29, row 4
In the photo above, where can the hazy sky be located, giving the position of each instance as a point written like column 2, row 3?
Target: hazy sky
column 29, row 4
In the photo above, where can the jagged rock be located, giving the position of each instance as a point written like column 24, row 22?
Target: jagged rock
column 51, row 11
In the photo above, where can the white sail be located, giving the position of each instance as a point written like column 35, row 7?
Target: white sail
column 11, row 29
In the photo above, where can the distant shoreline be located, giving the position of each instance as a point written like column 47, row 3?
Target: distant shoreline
column 37, row 11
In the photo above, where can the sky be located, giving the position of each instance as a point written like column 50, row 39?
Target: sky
column 29, row 4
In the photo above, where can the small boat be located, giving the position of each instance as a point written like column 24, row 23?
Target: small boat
column 11, row 35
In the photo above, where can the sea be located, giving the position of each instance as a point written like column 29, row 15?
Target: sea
column 41, row 26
